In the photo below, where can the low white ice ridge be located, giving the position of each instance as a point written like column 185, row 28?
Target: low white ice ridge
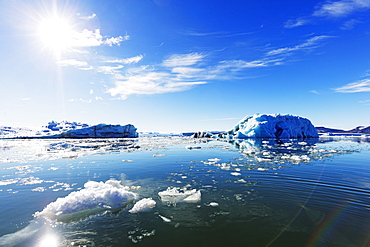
column 177, row 194
column 143, row 205
column 95, row 195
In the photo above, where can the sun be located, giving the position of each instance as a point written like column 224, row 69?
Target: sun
column 56, row 33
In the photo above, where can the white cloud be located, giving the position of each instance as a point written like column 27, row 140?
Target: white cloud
column 116, row 40
column 88, row 38
column 355, row 87
column 342, row 8
column 129, row 60
column 71, row 62
column 91, row 91
column 86, row 68
column 90, row 17
column 149, row 81
column 308, row 44
column 183, row 59
column 109, row 69
column 332, row 9
column 81, row 100
column 350, row 24
column 296, row 23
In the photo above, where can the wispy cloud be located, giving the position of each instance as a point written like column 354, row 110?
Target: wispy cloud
column 350, row 24
column 365, row 102
column 179, row 72
column 332, row 9
column 109, row 69
column 314, row 91
column 355, row 87
column 183, row 59
column 72, row 62
column 218, row 34
column 341, row 8
column 130, row 60
column 81, row 100
column 306, row 45
column 149, row 81
column 297, row 22
column 89, row 17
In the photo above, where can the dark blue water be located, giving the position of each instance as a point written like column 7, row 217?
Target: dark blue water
column 253, row 193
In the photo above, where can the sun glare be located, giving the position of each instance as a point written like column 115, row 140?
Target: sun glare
column 56, row 33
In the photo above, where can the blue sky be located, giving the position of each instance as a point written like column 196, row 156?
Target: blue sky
column 176, row 65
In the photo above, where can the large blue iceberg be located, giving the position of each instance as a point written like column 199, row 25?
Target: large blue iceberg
column 282, row 126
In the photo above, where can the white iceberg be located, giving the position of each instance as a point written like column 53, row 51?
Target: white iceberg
column 143, row 205
column 103, row 131
column 273, row 126
column 96, row 197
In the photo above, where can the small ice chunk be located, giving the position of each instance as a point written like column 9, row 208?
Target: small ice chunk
column 214, row 160
column 194, row 197
column 261, row 169
column 225, row 166
column 236, row 173
column 177, row 194
column 158, row 155
column 213, row 204
column 143, row 205
column 167, row 220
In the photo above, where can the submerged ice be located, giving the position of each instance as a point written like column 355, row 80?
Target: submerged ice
column 273, row 126
column 96, row 196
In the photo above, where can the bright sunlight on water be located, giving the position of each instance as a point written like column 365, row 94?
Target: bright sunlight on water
column 173, row 191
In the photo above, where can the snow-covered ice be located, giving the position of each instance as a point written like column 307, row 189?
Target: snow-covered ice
column 143, row 205
column 176, row 195
column 273, row 126
column 103, row 131
column 96, row 196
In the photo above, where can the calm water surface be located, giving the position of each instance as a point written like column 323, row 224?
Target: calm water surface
column 253, row 193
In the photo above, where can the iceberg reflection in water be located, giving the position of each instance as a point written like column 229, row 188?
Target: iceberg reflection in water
column 253, row 192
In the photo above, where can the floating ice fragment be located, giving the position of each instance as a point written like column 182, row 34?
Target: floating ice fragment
column 213, row 204
column 158, row 155
column 143, row 205
column 90, row 200
column 194, row 197
column 225, row 166
column 261, row 169
column 177, row 194
column 214, row 160
column 236, row 173
column 167, row 220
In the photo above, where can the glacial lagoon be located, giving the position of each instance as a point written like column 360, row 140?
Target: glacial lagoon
column 254, row 192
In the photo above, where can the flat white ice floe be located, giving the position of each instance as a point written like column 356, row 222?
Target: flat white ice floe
column 273, row 126
column 143, row 205
column 94, row 198
column 177, row 195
